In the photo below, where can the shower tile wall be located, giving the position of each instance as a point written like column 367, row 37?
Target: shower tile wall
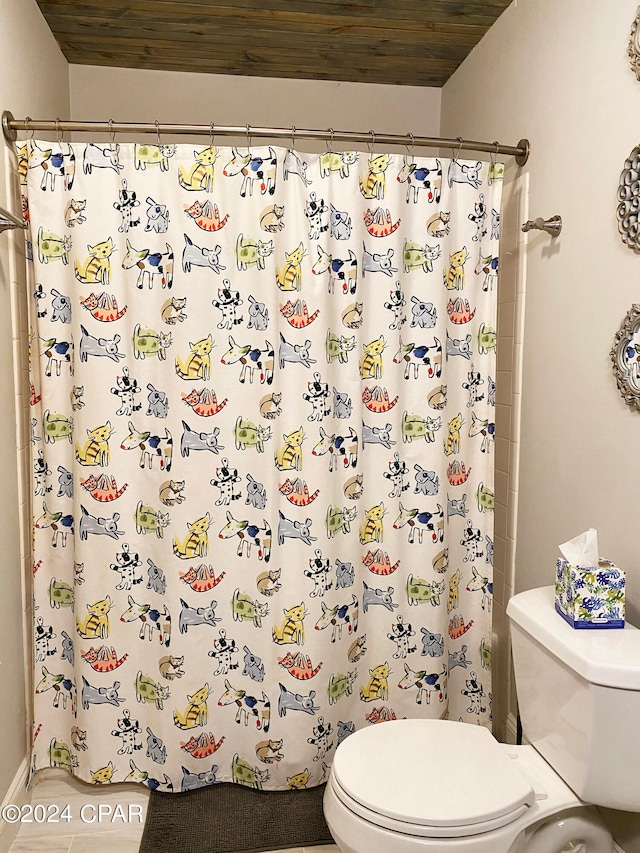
column 21, row 335
column 20, row 343
column 511, row 299
column 20, row 635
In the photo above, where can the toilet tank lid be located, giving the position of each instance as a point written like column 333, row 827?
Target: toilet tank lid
column 606, row 656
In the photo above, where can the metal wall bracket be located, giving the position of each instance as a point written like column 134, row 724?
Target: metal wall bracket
column 552, row 226
column 8, row 221
column 9, row 134
column 523, row 156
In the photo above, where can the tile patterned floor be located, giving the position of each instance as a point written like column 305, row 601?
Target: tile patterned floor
column 96, row 826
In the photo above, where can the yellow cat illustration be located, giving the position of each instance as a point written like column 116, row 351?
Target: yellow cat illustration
column 290, row 277
column 199, row 176
column 96, row 450
column 454, row 274
column 289, row 457
column 198, row 364
column 197, row 542
column 292, row 629
column 371, row 359
column 196, row 712
column 97, row 267
column 96, row 623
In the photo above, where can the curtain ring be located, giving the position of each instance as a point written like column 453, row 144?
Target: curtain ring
column 330, row 145
column 58, row 132
column 211, row 134
column 248, row 137
column 411, row 151
column 293, row 136
column 29, row 135
column 157, row 124
column 112, row 135
column 372, row 143
column 494, row 154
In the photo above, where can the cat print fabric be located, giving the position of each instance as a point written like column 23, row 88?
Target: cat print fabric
column 263, row 405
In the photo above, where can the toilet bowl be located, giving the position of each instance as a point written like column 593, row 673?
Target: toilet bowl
column 434, row 785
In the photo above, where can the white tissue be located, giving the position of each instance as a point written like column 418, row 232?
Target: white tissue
column 582, row 550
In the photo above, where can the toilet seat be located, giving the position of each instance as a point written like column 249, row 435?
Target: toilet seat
column 430, row 778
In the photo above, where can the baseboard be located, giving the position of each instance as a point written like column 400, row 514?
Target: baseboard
column 19, row 796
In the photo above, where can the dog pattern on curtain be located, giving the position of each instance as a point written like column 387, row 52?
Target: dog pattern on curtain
column 263, row 396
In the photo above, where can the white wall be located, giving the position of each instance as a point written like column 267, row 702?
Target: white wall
column 34, row 81
column 125, row 94
column 558, row 74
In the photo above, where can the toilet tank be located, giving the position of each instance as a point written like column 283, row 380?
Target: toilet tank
column 579, row 699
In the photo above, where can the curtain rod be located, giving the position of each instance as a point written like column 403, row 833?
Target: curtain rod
column 10, row 126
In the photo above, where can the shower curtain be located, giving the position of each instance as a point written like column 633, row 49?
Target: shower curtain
column 262, row 421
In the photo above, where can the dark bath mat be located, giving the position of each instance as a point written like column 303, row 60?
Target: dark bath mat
column 229, row 818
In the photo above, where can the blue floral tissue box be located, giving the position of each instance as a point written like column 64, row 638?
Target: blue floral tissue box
column 591, row 597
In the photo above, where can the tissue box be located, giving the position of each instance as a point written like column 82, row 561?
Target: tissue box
column 591, row 597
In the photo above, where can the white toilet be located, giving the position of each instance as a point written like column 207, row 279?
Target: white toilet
column 437, row 785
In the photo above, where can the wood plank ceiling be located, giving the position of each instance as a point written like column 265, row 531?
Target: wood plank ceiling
column 401, row 42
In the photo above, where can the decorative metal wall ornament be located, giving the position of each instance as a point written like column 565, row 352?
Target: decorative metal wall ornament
column 633, row 51
column 629, row 200
column 625, row 356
